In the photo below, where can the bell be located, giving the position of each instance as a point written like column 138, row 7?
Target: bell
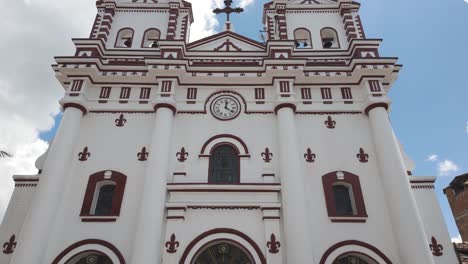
column 327, row 44
column 306, row 44
column 297, row 44
column 154, row 44
column 128, row 43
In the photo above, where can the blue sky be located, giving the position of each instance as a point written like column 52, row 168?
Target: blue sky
column 429, row 113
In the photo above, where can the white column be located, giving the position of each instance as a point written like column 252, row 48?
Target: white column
column 149, row 230
column 296, row 225
column 407, row 224
column 37, row 225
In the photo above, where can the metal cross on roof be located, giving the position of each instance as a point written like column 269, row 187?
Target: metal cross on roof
column 228, row 9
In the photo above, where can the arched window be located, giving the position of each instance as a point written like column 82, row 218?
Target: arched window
column 224, row 165
column 103, row 197
column 343, row 197
column 224, row 252
column 90, row 258
column 151, row 38
column 329, row 38
column 354, row 258
column 344, row 203
column 124, row 38
column 302, row 38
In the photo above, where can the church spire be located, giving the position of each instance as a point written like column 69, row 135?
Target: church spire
column 228, row 10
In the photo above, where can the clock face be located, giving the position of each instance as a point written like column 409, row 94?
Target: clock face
column 225, row 107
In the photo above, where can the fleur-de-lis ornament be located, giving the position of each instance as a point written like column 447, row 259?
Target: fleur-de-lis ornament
column 309, row 156
column 437, row 249
column 120, row 122
column 267, row 155
column 362, row 156
column 330, row 123
column 84, row 155
column 9, row 247
column 182, row 155
column 143, row 155
column 172, row 245
column 273, row 245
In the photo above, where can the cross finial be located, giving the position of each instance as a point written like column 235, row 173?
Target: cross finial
column 228, row 9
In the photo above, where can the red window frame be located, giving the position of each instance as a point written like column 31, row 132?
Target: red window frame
column 119, row 180
column 331, row 179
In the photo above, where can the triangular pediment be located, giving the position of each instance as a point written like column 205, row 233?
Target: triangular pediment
column 226, row 41
column 313, row 2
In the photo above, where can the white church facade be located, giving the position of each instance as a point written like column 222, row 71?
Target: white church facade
column 225, row 150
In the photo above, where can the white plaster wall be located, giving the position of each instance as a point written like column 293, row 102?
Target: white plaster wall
column 434, row 223
column 111, row 148
column 336, row 150
column 14, row 217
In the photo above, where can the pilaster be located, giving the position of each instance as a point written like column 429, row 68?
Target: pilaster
column 36, row 228
column 407, row 223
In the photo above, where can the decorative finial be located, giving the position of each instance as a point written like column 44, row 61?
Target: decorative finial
column 228, row 10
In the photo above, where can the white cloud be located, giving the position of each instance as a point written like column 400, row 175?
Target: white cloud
column 466, row 1
column 33, row 32
column 458, row 238
column 447, row 167
column 433, row 158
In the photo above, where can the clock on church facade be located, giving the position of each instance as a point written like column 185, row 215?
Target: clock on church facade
column 225, row 149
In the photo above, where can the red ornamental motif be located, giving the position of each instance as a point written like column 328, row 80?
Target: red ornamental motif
column 437, row 249
column 330, row 123
column 182, row 155
column 267, row 155
column 309, row 156
column 143, row 155
column 84, row 155
column 273, row 245
column 120, row 122
column 362, row 156
column 9, row 246
column 172, row 245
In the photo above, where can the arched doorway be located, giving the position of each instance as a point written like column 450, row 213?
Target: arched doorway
column 223, row 252
column 90, row 258
column 354, row 258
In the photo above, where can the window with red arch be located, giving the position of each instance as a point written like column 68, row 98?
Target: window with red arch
column 103, row 197
column 343, row 197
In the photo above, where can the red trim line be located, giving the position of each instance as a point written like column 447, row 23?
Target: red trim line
column 164, row 105
column 357, row 243
column 246, row 150
column 88, row 242
column 220, row 231
column 75, row 105
column 278, row 107
column 372, row 106
column 98, row 220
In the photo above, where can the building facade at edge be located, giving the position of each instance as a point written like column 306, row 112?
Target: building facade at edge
column 225, row 149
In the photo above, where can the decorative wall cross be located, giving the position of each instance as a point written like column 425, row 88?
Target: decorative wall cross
column 228, row 9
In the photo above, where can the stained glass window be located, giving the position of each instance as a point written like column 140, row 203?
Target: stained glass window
column 223, row 253
column 343, row 203
column 352, row 260
column 91, row 258
column 224, row 165
column 104, row 201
